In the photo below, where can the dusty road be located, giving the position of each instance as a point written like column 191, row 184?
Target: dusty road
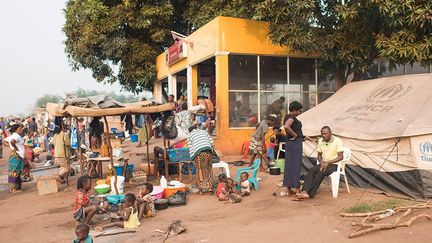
column 28, row 217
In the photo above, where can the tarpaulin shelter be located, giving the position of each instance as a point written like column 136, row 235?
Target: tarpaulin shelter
column 98, row 106
column 143, row 107
column 370, row 117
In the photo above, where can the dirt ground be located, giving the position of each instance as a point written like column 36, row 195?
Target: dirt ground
column 28, row 217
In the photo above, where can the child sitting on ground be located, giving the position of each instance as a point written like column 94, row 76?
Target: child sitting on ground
column 129, row 214
column 82, row 234
column 244, row 184
column 145, row 203
column 221, row 192
column 84, row 210
column 271, row 149
column 233, row 195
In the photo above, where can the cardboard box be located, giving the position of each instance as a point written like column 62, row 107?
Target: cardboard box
column 47, row 186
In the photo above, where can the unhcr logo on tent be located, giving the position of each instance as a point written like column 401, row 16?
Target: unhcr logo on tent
column 390, row 93
column 426, row 150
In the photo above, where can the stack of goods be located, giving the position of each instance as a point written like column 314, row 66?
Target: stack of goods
column 138, row 178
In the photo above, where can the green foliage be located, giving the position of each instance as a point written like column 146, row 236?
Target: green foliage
column 379, row 206
column 349, row 37
column 199, row 13
column 408, row 37
column 117, row 40
column 48, row 98
column 81, row 93
column 342, row 35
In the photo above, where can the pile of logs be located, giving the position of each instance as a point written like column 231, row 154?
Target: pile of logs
column 370, row 220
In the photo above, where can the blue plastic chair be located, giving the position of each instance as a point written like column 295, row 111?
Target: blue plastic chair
column 251, row 170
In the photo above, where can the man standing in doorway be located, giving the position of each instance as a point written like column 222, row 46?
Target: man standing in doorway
column 330, row 152
column 276, row 107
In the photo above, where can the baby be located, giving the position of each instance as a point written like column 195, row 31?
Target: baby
column 82, row 234
column 244, row 184
column 145, row 203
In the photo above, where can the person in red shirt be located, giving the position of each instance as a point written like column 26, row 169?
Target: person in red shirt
column 221, row 192
column 83, row 209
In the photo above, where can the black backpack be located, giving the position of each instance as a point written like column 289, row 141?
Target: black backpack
column 169, row 128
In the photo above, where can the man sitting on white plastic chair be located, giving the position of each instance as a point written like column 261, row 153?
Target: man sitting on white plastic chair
column 330, row 152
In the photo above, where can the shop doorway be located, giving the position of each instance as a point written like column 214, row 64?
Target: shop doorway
column 207, row 80
column 207, row 89
column 181, row 84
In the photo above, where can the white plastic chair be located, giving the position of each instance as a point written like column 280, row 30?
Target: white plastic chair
column 281, row 148
column 335, row 176
column 223, row 166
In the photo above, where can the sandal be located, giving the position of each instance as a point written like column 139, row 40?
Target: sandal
column 297, row 199
column 303, row 196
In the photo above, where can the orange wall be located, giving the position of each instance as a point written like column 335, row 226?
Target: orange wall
column 228, row 140
column 221, row 36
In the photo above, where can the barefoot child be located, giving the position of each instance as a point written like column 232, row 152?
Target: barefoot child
column 83, row 208
column 244, row 184
column 271, row 149
column 82, row 234
column 145, row 202
column 221, row 192
column 129, row 214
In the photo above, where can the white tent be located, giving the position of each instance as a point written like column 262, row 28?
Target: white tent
column 370, row 117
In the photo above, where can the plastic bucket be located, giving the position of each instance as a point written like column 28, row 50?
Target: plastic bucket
column 280, row 163
column 119, row 169
column 134, row 138
column 157, row 192
column 120, row 184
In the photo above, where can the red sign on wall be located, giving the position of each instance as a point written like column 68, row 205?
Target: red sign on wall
column 176, row 52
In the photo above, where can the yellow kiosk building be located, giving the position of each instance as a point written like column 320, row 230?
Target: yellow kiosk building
column 233, row 62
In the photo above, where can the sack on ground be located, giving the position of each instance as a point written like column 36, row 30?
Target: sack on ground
column 177, row 199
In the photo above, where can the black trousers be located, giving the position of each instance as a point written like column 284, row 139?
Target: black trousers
column 315, row 177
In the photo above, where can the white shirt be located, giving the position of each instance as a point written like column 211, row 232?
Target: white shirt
column 19, row 143
column 245, row 184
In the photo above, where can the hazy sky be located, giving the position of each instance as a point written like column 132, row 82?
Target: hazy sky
column 32, row 57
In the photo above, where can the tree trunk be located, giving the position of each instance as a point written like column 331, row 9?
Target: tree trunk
column 340, row 79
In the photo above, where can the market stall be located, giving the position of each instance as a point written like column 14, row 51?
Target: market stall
column 86, row 107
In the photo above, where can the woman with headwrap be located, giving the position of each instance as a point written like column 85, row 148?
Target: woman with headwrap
column 16, row 158
column 61, row 144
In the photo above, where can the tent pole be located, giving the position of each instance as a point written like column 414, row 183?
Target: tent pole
column 110, row 153
column 147, row 145
column 165, row 157
column 79, row 146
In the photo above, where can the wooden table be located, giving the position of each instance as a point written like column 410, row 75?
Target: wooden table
column 99, row 161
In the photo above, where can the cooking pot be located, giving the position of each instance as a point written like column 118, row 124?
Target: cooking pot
column 274, row 171
column 161, row 204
